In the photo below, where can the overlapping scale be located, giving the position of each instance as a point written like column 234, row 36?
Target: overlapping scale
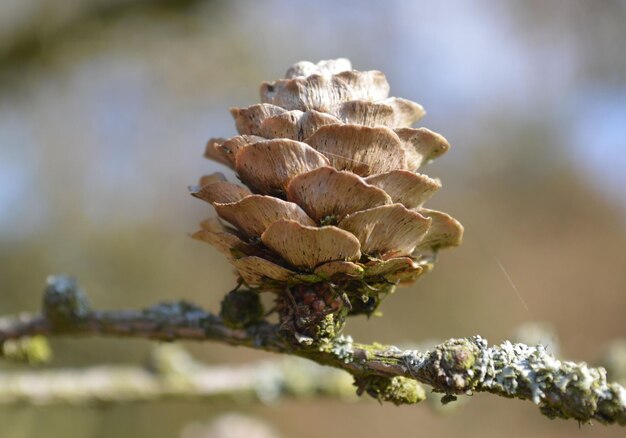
column 308, row 246
column 395, row 269
column 387, row 231
column 422, row 145
column 214, row 188
column 323, row 92
column 405, row 187
column 250, row 120
column 226, row 241
column 255, row 271
column 393, row 112
column 224, row 150
column 271, row 121
column 267, row 166
column 360, row 149
column 331, row 270
column 444, row 232
column 255, row 213
column 326, row 193
column 329, row 161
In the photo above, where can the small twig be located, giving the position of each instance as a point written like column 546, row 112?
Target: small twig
column 457, row 366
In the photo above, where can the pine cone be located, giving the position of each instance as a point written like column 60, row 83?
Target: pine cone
column 333, row 199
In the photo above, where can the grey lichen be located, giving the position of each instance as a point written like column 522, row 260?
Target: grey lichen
column 537, row 333
column 342, row 348
column 561, row 389
column 168, row 313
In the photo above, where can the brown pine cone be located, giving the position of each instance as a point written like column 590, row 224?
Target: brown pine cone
column 333, row 197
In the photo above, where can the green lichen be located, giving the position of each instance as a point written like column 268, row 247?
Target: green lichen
column 328, row 328
column 325, row 331
column 34, row 350
column 397, row 390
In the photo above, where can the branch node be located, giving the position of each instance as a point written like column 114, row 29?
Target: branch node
column 241, row 308
column 64, row 303
column 452, row 365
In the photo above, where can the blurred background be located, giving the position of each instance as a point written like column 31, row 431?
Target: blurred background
column 105, row 107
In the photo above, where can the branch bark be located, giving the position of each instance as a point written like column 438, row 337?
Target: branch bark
column 561, row 389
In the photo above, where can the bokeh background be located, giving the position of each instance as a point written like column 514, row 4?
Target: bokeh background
column 105, row 107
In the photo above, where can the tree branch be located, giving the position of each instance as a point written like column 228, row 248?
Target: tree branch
column 172, row 373
column 458, row 366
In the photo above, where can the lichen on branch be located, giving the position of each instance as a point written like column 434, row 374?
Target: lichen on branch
column 561, row 389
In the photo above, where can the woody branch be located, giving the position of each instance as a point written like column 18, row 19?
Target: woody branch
column 171, row 373
column 458, row 366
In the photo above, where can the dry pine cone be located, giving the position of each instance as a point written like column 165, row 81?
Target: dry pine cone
column 333, row 197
